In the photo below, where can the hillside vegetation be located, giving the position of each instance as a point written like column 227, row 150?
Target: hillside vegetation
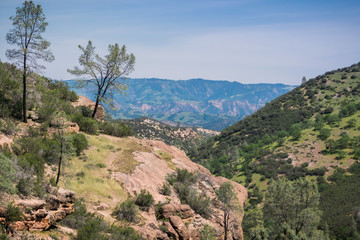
column 185, row 138
column 312, row 131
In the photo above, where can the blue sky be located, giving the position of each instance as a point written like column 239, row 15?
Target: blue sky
column 248, row 41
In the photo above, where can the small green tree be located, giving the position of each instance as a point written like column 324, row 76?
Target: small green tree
column 324, row 133
column 292, row 207
column 127, row 210
column 227, row 196
column 29, row 23
column 144, row 200
column 107, row 74
column 7, row 174
column 295, row 131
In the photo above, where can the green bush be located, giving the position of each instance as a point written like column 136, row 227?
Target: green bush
column 182, row 176
column 10, row 91
column 182, row 181
column 86, row 124
column 90, row 226
column 207, row 233
column 123, row 233
column 117, row 129
column 79, row 217
column 165, row 189
column 12, row 213
column 25, row 186
column 79, row 142
column 92, row 229
column 144, row 200
column 127, row 210
column 324, row 134
column 8, row 128
column 86, row 111
column 200, row 203
column 7, row 175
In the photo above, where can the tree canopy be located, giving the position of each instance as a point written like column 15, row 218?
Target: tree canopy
column 107, row 74
column 29, row 23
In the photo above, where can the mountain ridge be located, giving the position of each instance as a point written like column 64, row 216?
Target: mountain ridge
column 194, row 102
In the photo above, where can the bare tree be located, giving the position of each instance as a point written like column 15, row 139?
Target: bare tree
column 107, row 74
column 29, row 23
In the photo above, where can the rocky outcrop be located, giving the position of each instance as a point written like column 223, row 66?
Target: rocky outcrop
column 39, row 215
column 179, row 221
column 184, row 138
column 86, row 102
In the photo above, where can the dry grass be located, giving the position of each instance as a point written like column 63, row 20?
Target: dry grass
column 87, row 177
column 167, row 157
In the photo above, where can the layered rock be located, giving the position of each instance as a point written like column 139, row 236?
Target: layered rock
column 39, row 215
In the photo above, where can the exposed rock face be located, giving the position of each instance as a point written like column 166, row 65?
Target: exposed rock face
column 39, row 215
column 183, row 222
column 86, row 102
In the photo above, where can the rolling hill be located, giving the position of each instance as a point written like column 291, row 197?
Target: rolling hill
column 312, row 131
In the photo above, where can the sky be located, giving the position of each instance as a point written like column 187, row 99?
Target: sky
column 248, row 41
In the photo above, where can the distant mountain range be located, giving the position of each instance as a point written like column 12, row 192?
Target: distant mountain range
column 195, row 102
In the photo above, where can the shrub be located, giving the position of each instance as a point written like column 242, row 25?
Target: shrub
column 79, row 217
column 207, row 233
column 324, row 134
column 25, row 186
column 182, row 181
column 7, row 174
column 79, row 142
column 165, row 189
column 118, row 129
column 351, row 123
column 123, row 233
column 31, row 160
column 92, row 229
column 86, row 124
column 12, row 213
column 182, row 176
column 100, row 165
column 127, row 210
column 200, row 203
column 144, row 200
column 86, row 111
column 8, row 128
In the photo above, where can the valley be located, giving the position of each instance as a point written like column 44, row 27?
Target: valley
column 192, row 103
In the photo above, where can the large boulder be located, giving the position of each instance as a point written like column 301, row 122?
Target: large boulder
column 180, row 227
column 182, row 210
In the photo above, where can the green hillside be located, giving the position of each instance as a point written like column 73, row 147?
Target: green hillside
column 312, row 131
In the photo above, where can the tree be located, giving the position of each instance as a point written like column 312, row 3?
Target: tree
column 295, row 131
column 108, row 73
column 227, row 196
column 303, row 80
column 29, row 23
column 292, row 206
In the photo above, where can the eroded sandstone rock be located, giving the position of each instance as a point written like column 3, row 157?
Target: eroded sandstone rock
column 39, row 215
